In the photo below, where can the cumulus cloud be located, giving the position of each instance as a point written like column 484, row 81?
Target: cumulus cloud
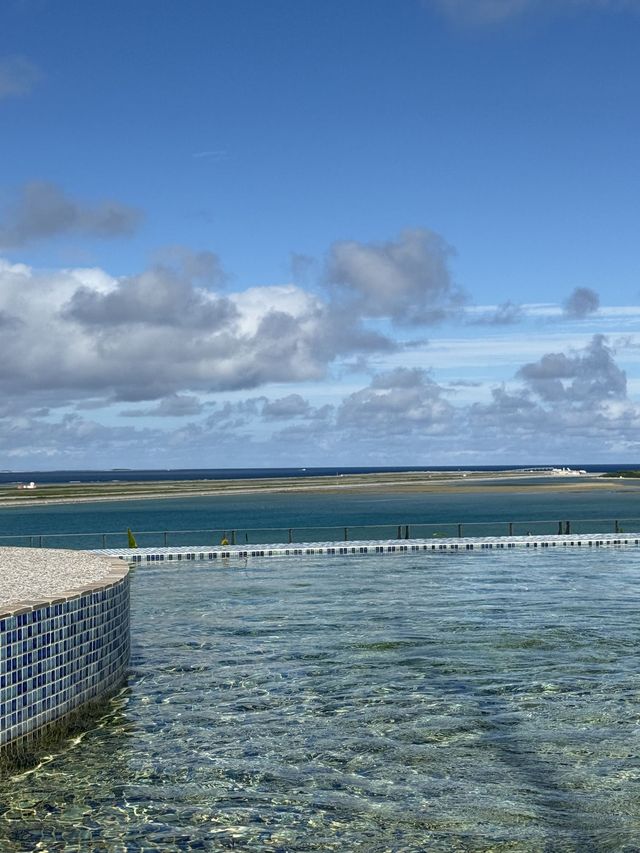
column 203, row 267
column 161, row 333
column 168, row 338
column 504, row 315
column 8, row 321
column 174, row 406
column 18, row 76
column 233, row 416
column 72, row 441
column 291, row 406
column 407, row 280
column 587, row 376
column 157, row 297
column 397, row 402
column 567, row 406
column 402, row 416
column 294, row 406
column 581, row 302
column 43, row 210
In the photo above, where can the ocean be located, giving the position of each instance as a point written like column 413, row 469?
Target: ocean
column 317, row 516
column 160, row 474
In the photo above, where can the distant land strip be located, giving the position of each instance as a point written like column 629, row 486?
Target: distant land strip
column 422, row 481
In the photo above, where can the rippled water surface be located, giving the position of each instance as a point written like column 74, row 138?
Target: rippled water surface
column 467, row 702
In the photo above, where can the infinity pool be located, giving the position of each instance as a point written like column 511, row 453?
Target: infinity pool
column 467, row 702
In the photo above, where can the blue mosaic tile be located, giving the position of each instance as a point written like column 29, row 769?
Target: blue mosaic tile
column 57, row 657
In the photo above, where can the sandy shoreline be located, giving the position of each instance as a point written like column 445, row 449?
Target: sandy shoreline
column 471, row 482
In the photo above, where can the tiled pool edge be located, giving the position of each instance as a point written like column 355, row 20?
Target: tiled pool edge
column 470, row 543
column 60, row 656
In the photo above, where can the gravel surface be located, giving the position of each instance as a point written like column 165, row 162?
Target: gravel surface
column 39, row 574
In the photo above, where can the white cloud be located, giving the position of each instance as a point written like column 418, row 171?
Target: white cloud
column 581, row 302
column 333, row 386
column 43, row 210
column 401, row 416
column 400, row 401
column 159, row 334
column 506, row 314
column 584, row 376
column 173, row 406
column 407, row 280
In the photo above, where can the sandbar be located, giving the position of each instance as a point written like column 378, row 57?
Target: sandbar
column 476, row 482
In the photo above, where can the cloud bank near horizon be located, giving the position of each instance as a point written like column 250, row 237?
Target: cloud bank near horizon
column 162, row 360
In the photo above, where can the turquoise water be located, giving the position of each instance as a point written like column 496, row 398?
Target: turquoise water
column 308, row 513
column 467, row 702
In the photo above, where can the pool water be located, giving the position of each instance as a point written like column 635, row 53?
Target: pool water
column 466, row 702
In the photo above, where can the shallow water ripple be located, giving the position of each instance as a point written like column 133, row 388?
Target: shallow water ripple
column 484, row 702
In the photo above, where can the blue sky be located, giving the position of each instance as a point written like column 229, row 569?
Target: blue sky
column 269, row 232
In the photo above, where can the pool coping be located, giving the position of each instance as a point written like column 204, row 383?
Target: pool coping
column 58, row 560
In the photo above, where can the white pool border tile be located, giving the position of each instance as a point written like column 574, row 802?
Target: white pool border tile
column 370, row 546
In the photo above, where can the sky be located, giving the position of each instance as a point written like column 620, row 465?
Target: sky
column 263, row 233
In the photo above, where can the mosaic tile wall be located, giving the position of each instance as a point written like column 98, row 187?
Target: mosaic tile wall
column 57, row 656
